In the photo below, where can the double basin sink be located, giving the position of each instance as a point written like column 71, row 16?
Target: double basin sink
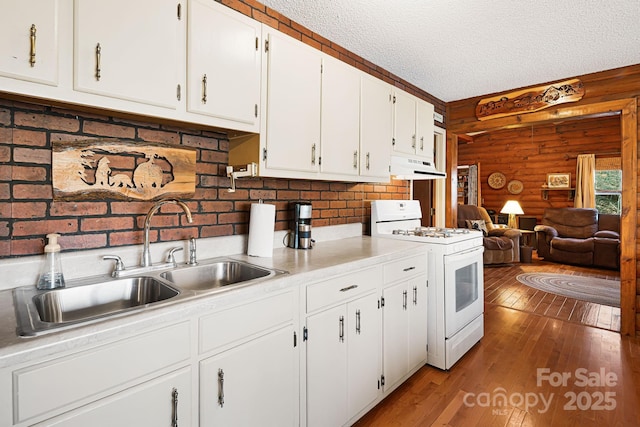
column 92, row 299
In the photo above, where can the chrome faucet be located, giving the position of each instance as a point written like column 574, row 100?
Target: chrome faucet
column 146, row 253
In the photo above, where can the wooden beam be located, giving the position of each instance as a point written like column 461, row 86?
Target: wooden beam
column 628, row 225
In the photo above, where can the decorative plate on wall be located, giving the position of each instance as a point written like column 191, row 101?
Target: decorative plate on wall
column 496, row 180
column 515, row 187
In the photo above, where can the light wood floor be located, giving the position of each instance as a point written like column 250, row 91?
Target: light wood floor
column 510, row 362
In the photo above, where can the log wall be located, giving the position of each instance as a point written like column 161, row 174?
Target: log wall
column 527, row 154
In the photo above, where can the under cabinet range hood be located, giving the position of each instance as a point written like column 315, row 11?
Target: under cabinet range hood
column 415, row 169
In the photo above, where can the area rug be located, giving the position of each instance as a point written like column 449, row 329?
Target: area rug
column 591, row 289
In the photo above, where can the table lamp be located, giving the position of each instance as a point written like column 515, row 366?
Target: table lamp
column 512, row 207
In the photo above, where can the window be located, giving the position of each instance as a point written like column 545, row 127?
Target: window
column 608, row 186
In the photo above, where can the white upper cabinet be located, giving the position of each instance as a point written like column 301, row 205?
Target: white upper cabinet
column 425, row 130
column 128, row 50
column 340, row 130
column 223, row 63
column 29, row 40
column 293, row 78
column 404, row 122
column 413, row 125
column 376, row 128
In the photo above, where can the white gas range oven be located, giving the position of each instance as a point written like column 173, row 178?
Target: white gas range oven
column 455, row 277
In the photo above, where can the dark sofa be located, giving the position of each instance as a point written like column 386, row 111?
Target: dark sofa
column 579, row 236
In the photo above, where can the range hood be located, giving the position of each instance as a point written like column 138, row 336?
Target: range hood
column 415, row 169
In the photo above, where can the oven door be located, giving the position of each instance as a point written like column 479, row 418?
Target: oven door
column 463, row 289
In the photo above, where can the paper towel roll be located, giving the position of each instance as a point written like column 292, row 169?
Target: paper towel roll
column 261, row 229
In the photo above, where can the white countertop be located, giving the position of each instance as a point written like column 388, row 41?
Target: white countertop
column 330, row 258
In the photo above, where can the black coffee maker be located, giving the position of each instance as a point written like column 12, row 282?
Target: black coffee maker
column 300, row 236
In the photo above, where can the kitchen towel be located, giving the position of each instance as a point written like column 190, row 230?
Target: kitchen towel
column 261, row 230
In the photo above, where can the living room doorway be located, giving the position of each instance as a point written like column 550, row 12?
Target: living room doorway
column 627, row 109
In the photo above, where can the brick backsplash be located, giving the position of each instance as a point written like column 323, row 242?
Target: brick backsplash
column 28, row 211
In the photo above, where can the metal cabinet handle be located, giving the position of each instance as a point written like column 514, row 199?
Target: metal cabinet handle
column 355, row 159
column 313, row 154
column 32, row 51
column 204, row 89
column 220, row 387
column 415, row 295
column 409, row 269
column 357, row 321
column 368, row 161
column 341, row 329
column 174, row 418
column 404, row 300
column 348, row 288
column 98, row 55
column 413, row 141
column 422, row 143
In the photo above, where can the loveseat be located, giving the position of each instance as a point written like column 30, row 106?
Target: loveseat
column 501, row 244
column 579, row 236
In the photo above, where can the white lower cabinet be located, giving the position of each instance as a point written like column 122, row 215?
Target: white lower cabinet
column 165, row 401
column 249, row 371
column 252, row 384
column 241, row 362
column 343, row 349
column 404, row 319
column 102, row 375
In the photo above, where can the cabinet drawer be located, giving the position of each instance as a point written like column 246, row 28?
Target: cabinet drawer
column 237, row 323
column 405, row 268
column 342, row 288
column 53, row 385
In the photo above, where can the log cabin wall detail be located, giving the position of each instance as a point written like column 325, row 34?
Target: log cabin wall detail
column 528, row 154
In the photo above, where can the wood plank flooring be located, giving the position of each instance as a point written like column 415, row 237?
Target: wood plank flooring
column 502, row 288
column 507, row 379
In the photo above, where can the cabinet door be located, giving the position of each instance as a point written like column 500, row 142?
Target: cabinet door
column 327, row 368
column 404, row 123
column 425, row 130
column 252, row 384
column 29, row 40
column 340, row 117
column 363, row 347
column 293, row 104
column 395, row 333
column 223, row 62
column 376, row 128
column 417, row 321
column 128, row 50
column 155, row 403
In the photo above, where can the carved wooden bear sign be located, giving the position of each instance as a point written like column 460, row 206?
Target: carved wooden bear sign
column 121, row 170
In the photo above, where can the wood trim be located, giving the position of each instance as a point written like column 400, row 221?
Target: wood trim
column 627, row 108
column 628, row 274
column 451, row 191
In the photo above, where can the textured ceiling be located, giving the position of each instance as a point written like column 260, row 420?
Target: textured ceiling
column 457, row 49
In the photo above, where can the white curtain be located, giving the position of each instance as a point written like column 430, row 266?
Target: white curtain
column 585, row 181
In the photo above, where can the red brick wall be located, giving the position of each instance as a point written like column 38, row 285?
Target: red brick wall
column 28, row 212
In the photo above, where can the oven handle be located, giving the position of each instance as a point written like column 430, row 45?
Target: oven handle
column 466, row 252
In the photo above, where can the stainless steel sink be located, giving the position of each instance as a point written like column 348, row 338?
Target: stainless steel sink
column 218, row 274
column 98, row 298
column 40, row 311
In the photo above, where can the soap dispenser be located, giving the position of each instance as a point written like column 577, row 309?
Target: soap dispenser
column 51, row 276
